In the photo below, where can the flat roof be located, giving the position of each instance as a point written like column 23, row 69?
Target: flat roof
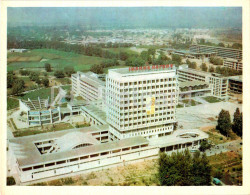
column 90, row 78
column 216, row 47
column 236, row 78
column 95, row 112
column 175, row 138
column 28, row 155
column 192, row 83
column 125, row 71
column 195, row 71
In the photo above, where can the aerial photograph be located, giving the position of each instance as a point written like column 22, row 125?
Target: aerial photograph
column 124, row 96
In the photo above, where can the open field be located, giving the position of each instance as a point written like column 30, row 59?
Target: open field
column 57, row 59
column 136, row 174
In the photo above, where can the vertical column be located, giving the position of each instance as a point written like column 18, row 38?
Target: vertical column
column 51, row 119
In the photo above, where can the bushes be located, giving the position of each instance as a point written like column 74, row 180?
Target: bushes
column 11, row 181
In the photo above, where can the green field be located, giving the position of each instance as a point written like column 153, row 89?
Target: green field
column 66, row 87
column 57, row 59
column 42, row 93
column 12, row 103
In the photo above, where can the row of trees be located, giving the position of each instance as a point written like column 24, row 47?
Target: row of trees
column 225, row 125
column 99, row 69
column 192, row 65
column 234, row 45
column 220, row 70
column 181, row 169
column 89, row 50
column 216, row 60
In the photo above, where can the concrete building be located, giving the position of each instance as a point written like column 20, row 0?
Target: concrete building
column 220, row 51
column 235, row 84
column 38, row 112
column 88, row 86
column 191, row 89
column 218, row 83
column 233, row 64
column 141, row 102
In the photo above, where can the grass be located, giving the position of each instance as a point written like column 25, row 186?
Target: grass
column 58, row 60
column 227, row 167
column 63, row 81
column 43, row 129
column 151, row 46
column 12, row 103
column 179, row 106
column 43, row 93
column 191, row 102
column 212, row 99
column 66, row 87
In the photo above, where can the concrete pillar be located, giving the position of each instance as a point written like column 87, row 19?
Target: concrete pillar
column 51, row 120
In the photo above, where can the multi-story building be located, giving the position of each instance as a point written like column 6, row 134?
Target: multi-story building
column 38, row 112
column 220, row 51
column 235, row 84
column 218, row 83
column 88, row 86
column 232, row 63
column 141, row 102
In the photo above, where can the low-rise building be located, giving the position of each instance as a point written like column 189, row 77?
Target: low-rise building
column 235, row 84
column 38, row 112
column 232, row 64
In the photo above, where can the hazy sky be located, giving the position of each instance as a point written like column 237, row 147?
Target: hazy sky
column 130, row 16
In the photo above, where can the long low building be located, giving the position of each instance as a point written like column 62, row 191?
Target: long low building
column 235, row 84
column 64, row 152
column 223, row 52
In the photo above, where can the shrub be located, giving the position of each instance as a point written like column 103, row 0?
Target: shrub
column 11, row 181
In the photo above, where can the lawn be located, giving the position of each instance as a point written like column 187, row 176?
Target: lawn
column 12, row 103
column 63, row 81
column 212, row 99
column 66, row 87
column 44, row 129
column 191, row 102
column 57, row 59
column 43, row 93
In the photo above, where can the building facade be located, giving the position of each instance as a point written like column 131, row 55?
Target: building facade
column 232, row 64
column 88, row 86
column 218, row 83
column 141, row 102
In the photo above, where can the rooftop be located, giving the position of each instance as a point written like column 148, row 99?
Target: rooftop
column 96, row 112
column 28, row 155
column 236, row 78
column 144, row 69
column 191, row 83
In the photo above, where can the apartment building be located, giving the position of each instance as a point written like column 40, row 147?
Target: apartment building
column 220, row 51
column 235, row 84
column 88, row 86
column 218, row 83
column 141, row 102
column 232, row 64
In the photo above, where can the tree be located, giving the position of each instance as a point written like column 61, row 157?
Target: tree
column 182, row 169
column 59, row 74
column 10, row 80
column 176, row 58
column 204, row 145
column 18, row 87
column 204, row 67
column 34, row 76
column 192, row 65
column 211, row 69
column 221, row 45
column 237, row 122
column 237, row 46
column 98, row 69
column 69, row 70
column 45, row 82
column 123, row 56
column 224, row 122
column 216, row 60
column 47, row 67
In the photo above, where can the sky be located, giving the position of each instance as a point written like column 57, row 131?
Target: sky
column 155, row 17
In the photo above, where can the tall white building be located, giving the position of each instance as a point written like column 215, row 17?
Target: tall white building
column 141, row 102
